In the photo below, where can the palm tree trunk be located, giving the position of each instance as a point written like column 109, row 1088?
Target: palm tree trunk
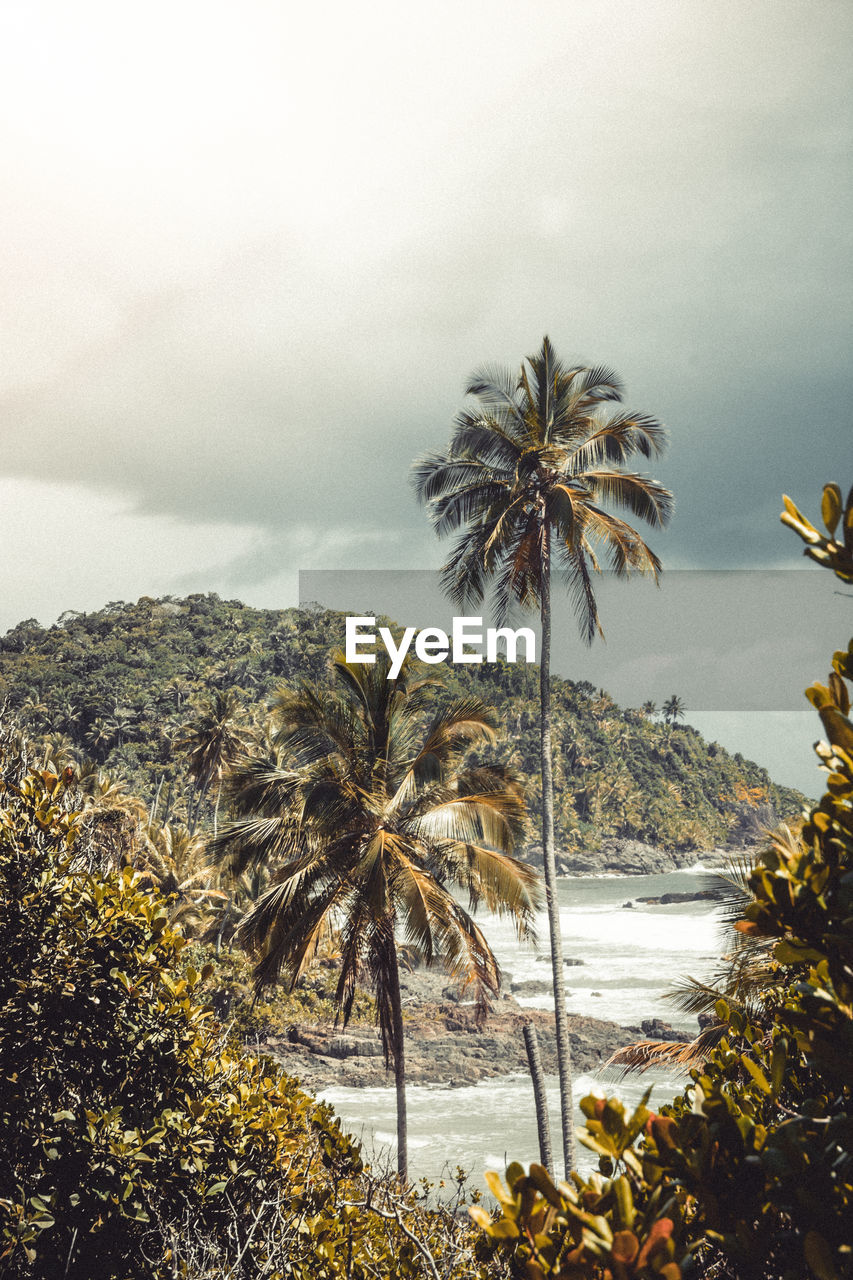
column 537, row 1075
column 216, row 810
column 193, row 814
column 399, row 1067
column 564, row 1058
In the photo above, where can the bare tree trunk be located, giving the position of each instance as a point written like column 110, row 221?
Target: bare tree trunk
column 399, row 1068
column 153, row 817
column 564, row 1058
column 537, row 1075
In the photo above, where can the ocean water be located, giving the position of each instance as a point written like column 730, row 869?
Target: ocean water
column 631, row 957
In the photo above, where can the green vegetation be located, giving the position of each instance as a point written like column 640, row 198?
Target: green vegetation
column 120, row 687
column 524, row 478
column 249, row 1019
column 749, row 1174
column 133, row 1142
column 367, row 818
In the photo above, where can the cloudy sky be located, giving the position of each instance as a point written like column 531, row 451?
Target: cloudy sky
column 250, row 253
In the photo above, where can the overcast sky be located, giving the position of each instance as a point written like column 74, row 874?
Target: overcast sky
column 251, row 252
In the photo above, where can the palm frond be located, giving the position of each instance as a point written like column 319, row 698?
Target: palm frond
column 285, row 926
column 505, row 884
column 467, row 957
column 644, row 1055
column 482, row 436
column 478, row 503
column 255, row 841
column 626, row 550
column 463, row 577
column 596, row 383
column 575, row 567
column 644, row 498
column 497, row 388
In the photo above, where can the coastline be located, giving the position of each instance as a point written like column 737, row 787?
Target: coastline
column 622, row 856
column 446, row 1044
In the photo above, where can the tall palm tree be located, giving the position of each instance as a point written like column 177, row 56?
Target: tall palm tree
column 526, row 478
column 366, row 812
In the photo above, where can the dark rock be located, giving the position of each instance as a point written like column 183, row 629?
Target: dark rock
column 618, row 855
column 531, row 987
column 353, row 1047
column 657, row 1029
column 701, row 895
column 442, row 1047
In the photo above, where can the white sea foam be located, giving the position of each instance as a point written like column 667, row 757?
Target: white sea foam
column 584, row 1085
column 630, row 957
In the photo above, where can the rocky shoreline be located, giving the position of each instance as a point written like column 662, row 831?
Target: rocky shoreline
column 623, row 857
column 445, row 1045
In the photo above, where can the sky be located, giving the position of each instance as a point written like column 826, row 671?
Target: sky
column 250, row 254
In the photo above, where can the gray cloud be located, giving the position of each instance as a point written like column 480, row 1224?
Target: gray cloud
column 674, row 205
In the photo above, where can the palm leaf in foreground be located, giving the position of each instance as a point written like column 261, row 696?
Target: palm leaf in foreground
column 747, row 979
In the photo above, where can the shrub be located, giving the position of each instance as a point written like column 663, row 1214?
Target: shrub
column 114, row 1091
column 132, row 1142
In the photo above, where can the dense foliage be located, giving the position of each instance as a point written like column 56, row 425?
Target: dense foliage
column 749, row 1174
column 122, row 687
column 132, row 1143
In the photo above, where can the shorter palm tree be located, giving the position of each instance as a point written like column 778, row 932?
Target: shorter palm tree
column 178, row 861
column 212, row 739
column 364, row 809
column 673, row 709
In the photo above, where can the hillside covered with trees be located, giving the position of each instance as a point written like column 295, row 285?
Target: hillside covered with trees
column 129, row 689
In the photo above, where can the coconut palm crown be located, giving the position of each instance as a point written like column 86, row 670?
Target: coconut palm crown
column 370, row 818
column 526, row 478
column 532, row 467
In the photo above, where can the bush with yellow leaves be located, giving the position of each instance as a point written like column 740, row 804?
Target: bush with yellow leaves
column 749, row 1174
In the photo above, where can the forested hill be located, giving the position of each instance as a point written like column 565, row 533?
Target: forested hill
column 123, row 685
